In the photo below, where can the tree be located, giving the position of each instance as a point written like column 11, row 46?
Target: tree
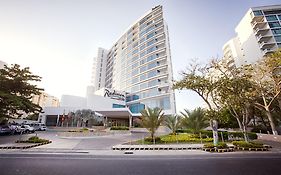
column 151, row 119
column 172, row 122
column 16, row 90
column 266, row 89
column 194, row 120
column 198, row 79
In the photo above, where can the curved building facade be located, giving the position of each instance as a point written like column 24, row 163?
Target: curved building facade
column 139, row 64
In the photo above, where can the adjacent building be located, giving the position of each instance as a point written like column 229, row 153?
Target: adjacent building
column 45, row 100
column 258, row 34
column 139, row 64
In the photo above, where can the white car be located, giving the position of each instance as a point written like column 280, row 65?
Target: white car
column 28, row 129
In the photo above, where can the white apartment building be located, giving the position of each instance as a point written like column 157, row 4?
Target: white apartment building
column 139, row 64
column 258, row 33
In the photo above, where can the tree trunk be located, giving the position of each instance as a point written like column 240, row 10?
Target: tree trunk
column 239, row 123
column 214, row 125
column 270, row 118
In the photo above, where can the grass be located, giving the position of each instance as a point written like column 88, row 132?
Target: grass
column 33, row 139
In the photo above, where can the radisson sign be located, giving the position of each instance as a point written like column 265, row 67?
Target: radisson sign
column 114, row 94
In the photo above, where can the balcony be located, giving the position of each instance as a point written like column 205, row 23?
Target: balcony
column 267, row 45
column 261, row 31
column 267, row 51
column 256, row 24
column 264, row 38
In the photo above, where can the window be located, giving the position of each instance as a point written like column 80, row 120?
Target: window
column 135, row 80
column 276, row 31
column 271, row 18
column 135, row 72
column 135, row 51
column 152, row 83
column 150, row 58
column 118, row 106
column 136, row 108
column 151, row 74
column 150, row 35
column 142, row 54
column 135, row 58
column 150, row 42
column 258, row 13
column 143, row 77
column 142, row 47
column 274, row 24
column 142, row 69
column 279, row 16
column 143, row 86
column 151, row 65
column 278, row 39
column 151, row 49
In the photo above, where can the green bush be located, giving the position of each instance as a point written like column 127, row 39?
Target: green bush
column 243, row 144
column 183, row 131
column 33, row 139
column 221, row 145
column 184, row 138
column 149, row 139
column 119, row 128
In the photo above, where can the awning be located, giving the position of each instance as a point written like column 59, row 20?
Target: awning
column 115, row 113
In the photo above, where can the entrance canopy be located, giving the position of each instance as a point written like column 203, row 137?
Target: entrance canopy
column 115, row 113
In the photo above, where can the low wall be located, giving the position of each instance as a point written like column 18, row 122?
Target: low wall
column 270, row 137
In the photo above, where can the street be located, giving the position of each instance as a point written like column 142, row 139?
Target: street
column 59, row 164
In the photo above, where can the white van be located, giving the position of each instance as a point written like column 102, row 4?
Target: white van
column 39, row 126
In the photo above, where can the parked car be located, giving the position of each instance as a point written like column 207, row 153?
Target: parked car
column 39, row 126
column 28, row 129
column 5, row 129
column 16, row 128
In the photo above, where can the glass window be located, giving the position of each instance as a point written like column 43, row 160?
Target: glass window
column 143, row 77
column 135, row 88
column 150, row 35
column 274, row 24
column 142, row 61
column 276, row 31
column 118, row 106
column 142, row 54
column 142, row 47
column 152, row 83
column 143, row 86
column 150, row 58
column 151, row 49
column 150, row 42
column 142, row 69
column 271, row 18
column 149, row 29
column 278, row 39
column 151, row 74
column 135, row 44
column 279, row 16
column 135, row 58
column 151, row 65
column 136, row 108
column 135, row 51
column 135, row 72
column 135, row 80
column 142, row 40
column 258, row 13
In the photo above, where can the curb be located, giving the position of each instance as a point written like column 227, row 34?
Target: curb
column 25, row 147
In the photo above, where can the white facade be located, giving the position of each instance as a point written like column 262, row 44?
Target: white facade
column 139, row 63
column 258, row 33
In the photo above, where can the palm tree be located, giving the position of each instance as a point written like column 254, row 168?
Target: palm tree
column 194, row 120
column 151, row 120
column 172, row 122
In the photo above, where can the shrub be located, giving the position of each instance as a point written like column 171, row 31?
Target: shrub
column 184, row 138
column 149, row 139
column 183, row 131
column 243, row 144
column 221, row 145
column 119, row 128
column 33, row 139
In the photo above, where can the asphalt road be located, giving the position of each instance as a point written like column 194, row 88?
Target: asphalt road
column 217, row 164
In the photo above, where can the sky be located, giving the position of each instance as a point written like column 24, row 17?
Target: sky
column 58, row 39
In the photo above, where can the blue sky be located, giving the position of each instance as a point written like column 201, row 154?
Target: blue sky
column 58, row 39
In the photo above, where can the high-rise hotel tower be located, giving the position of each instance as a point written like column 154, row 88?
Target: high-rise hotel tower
column 258, row 34
column 139, row 64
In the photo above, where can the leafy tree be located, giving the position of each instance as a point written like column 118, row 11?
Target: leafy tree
column 151, row 119
column 172, row 122
column 198, row 79
column 16, row 90
column 194, row 120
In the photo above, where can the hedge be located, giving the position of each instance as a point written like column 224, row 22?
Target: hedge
column 119, row 128
column 221, row 145
column 243, row 144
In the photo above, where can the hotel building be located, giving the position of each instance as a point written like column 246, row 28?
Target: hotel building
column 258, row 34
column 139, row 65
